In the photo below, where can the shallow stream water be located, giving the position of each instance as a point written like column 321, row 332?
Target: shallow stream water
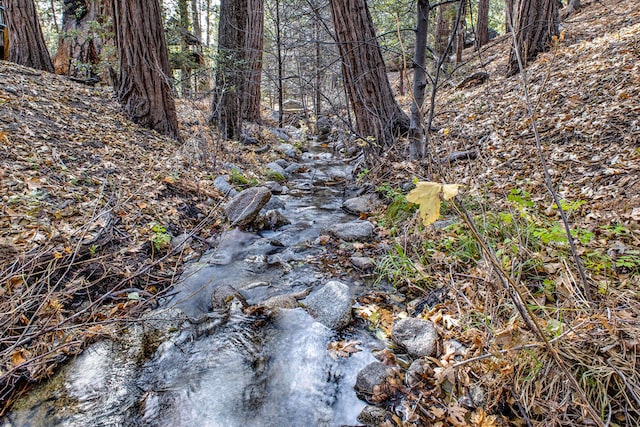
column 225, row 369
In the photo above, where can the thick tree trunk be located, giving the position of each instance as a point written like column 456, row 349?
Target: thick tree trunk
column 535, row 23
column 254, row 44
column 143, row 83
column 79, row 46
column 27, row 46
column 482, row 25
column 416, row 131
column 230, row 76
column 377, row 112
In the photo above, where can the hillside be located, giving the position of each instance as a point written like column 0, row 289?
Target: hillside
column 91, row 202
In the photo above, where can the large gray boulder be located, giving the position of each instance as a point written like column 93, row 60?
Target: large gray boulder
column 331, row 305
column 417, row 336
column 352, row 231
column 244, row 207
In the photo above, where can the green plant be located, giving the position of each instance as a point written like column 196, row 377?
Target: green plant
column 274, row 176
column 629, row 260
column 397, row 268
column 160, row 237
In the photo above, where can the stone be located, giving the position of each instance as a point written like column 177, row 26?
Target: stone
column 372, row 416
column 331, row 305
column 352, row 231
column 183, row 239
column 274, row 187
column 417, row 336
column 280, row 134
column 363, row 263
column 282, row 162
column 272, row 220
column 418, row 373
column 276, row 168
column 274, row 203
column 362, row 204
column 221, row 183
column 371, row 377
column 293, row 168
column 244, row 207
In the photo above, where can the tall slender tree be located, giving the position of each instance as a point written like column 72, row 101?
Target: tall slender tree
column 142, row 85
column 482, row 24
column 534, row 23
column 25, row 35
column 230, row 83
column 416, row 131
column 377, row 113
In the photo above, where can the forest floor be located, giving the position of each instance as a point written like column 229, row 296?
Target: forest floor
column 90, row 203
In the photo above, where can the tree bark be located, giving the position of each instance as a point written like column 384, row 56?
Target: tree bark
column 143, row 82
column 26, row 41
column 535, row 23
column 482, row 25
column 254, row 45
column 416, row 129
column 79, row 46
column 443, row 29
column 375, row 108
column 230, row 77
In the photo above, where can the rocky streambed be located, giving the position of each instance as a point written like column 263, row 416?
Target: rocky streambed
column 244, row 339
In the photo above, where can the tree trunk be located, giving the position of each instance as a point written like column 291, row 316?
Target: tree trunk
column 27, row 46
column 254, row 44
column 535, row 23
column 230, row 78
column 416, row 131
column 443, row 29
column 185, row 69
column 143, row 83
column 460, row 32
column 280, row 65
column 376, row 110
column 79, row 45
column 482, row 26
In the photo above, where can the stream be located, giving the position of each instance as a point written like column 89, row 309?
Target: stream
column 189, row 363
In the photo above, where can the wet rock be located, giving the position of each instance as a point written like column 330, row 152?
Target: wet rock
column 275, row 187
column 372, row 416
column 323, row 128
column 223, row 296
column 352, row 231
column 418, row 373
column 331, row 305
column 363, row 263
column 371, row 377
column 289, row 301
column 417, row 336
column 273, row 204
column 276, row 168
column 294, row 168
column 221, row 183
column 272, row 220
column 244, row 207
column 363, row 204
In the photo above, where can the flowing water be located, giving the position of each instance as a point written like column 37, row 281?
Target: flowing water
column 223, row 367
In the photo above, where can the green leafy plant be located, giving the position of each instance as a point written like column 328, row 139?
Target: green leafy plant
column 160, row 237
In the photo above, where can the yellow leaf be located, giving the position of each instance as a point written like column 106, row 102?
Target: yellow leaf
column 445, row 131
column 17, row 358
column 427, row 196
column 449, row 191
